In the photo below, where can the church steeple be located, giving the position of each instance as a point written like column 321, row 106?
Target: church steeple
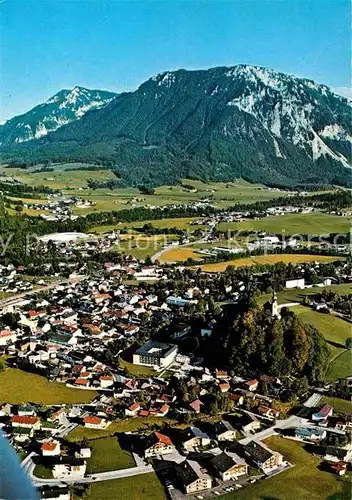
column 274, row 307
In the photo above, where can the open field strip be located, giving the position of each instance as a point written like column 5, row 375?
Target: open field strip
column 146, row 486
column 19, row 387
column 300, row 223
column 267, row 259
column 179, row 255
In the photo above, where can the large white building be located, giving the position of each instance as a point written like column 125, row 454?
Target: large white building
column 295, row 283
column 155, row 354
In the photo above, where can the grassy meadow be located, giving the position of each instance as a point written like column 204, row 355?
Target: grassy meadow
column 19, row 387
column 143, row 487
column 107, row 455
column 300, row 223
column 302, row 482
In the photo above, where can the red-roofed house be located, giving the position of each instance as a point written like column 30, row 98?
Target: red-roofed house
column 50, row 448
column 252, row 385
column 132, row 410
column 81, row 381
column 7, row 337
column 158, row 444
column 196, row 405
column 95, row 422
column 224, row 387
column 106, row 381
column 26, row 421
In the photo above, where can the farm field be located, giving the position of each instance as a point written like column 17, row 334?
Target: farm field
column 318, row 224
column 267, row 259
column 60, row 178
column 18, row 387
column 72, row 178
column 296, row 295
column 107, row 455
column 179, row 254
column 145, row 486
column 302, row 482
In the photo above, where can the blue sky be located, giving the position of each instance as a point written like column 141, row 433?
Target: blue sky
column 48, row 45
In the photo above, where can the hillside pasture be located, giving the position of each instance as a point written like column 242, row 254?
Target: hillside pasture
column 19, row 387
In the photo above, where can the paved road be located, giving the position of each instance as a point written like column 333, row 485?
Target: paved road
column 289, row 423
column 91, row 478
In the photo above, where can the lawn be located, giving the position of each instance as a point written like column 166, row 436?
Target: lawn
column 137, row 370
column 143, row 487
column 302, row 482
column 340, row 405
column 265, row 260
column 17, row 387
column 126, row 425
column 43, row 472
column 340, row 367
column 108, row 455
column 313, row 223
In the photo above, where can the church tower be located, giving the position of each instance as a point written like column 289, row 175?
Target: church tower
column 274, row 307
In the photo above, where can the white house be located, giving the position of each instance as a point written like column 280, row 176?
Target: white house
column 7, row 337
column 69, row 467
column 50, row 448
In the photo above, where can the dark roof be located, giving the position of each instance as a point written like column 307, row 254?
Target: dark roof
column 258, row 452
column 186, row 473
column 222, row 426
column 336, row 452
column 222, row 462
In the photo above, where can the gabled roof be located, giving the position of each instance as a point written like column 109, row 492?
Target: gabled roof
column 223, row 462
column 157, row 437
column 92, row 420
column 25, row 419
column 49, row 445
column 258, row 451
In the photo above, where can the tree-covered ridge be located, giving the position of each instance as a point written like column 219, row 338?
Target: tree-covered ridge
column 254, row 342
column 215, row 124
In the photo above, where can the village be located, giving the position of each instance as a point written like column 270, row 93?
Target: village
column 204, row 427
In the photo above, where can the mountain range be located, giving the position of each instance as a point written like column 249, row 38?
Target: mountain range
column 221, row 123
column 61, row 109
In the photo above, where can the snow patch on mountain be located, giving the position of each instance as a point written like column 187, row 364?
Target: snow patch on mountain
column 62, row 108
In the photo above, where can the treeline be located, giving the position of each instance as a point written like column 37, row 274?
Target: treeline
column 252, row 342
column 24, row 190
